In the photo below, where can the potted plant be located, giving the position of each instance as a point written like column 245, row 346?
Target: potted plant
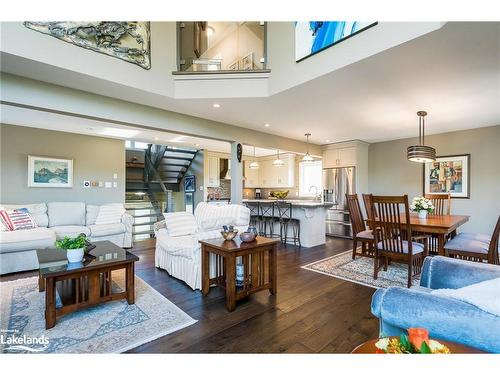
column 74, row 248
column 422, row 206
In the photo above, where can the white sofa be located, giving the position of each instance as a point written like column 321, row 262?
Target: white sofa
column 181, row 256
column 56, row 220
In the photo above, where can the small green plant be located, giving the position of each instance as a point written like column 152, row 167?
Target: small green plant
column 71, row 243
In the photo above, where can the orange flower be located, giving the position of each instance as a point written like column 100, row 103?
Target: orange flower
column 417, row 336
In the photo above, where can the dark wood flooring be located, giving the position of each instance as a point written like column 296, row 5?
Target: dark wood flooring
column 311, row 313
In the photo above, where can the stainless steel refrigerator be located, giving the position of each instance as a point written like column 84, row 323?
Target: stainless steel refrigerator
column 337, row 182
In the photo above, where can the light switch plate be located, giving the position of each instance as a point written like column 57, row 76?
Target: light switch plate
column 101, row 184
column 107, row 184
column 115, row 175
column 115, row 184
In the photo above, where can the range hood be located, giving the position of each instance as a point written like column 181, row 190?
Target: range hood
column 225, row 169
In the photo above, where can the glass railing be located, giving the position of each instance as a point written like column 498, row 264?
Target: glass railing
column 221, row 46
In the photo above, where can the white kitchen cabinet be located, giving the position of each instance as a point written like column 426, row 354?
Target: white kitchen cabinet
column 277, row 177
column 213, row 171
column 339, row 157
column 251, row 175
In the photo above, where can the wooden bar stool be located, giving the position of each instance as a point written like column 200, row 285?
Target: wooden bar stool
column 285, row 218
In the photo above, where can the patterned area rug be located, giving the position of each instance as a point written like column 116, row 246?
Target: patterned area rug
column 111, row 327
column 360, row 271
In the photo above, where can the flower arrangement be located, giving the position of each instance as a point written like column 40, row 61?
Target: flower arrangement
column 422, row 204
column 416, row 342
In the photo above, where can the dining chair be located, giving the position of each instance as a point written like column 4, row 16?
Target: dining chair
column 367, row 200
column 441, row 202
column 475, row 247
column 393, row 236
column 359, row 230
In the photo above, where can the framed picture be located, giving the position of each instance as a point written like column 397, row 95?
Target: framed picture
column 246, row 62
column 189, row 184
column 312, row 37
column 448, row 174
column 50, row 172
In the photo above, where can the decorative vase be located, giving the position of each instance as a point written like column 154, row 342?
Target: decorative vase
column 75, row 255
column 422, row 214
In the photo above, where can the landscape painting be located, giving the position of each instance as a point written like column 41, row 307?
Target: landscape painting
column 314, row 36
column 448, row 174
column 49, row 172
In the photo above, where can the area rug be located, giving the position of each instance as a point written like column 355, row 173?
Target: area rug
column 111, row 327
column 360, row 271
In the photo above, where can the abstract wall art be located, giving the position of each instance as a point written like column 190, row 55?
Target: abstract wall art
column 312, row 37
column 448, row 174
column 49, row 172
column 129, row 41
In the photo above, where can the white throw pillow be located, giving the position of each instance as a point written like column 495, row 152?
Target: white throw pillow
column 110, row 214
column 180, row 223
column 484, row 295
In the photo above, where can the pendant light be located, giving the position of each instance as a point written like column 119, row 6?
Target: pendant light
column 278, row 162
column 421, row 153
column 307, row 158
column 254, row 164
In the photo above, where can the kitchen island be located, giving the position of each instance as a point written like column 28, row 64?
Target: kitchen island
column 312, row 216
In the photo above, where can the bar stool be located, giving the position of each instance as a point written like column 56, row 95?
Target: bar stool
column 266, row 216
column 285, row 219
column 254, row 208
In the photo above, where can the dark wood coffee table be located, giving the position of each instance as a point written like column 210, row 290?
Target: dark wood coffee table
column 90, row 280
column 259, row 261
column 368, row 347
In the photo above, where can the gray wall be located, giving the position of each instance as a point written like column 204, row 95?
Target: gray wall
column 195, row 169
column 94, row 159
column 390, row 172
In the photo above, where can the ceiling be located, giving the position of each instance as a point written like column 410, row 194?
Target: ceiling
column 53, row 121
column 453, row 73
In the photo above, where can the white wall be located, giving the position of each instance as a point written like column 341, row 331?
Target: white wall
column 390, row 173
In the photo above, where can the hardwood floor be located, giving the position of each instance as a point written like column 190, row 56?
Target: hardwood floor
column 311, row 313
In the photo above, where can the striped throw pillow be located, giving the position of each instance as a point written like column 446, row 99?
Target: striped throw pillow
column 180, row 223
column 17, row 219
column 110, row 214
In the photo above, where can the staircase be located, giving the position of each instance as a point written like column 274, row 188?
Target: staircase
column 151, row 177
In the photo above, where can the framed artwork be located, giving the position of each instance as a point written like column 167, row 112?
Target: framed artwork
column 247, row 62
column 312, row 37
column 448, row 174
column 190, row 184
column 50, row 172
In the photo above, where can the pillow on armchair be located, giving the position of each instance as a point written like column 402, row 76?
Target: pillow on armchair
column 180, row 223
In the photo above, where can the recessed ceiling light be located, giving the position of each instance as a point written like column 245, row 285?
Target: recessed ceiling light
column 216, row 105
column 156, row 138
column 117, row 132
column 267, row 125
column 327, row 140
column 197, row 144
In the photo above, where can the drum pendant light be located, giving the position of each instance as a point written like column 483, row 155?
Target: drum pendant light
column 307, row 157
column 254, row 164
column 278, row 162
column 421, row 153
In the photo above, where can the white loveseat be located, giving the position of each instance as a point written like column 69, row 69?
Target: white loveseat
column 55, row 220
column 181, row 256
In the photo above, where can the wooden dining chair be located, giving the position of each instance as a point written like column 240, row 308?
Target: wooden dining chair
column 441, row 202
column 475, row 247
column 359, row 231
column 367, row 200
column 393, row 236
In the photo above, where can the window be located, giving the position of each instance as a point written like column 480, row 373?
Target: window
column 310, row 178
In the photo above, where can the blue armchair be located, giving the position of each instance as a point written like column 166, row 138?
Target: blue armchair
column 446, row 318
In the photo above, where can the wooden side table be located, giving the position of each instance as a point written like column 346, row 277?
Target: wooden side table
column 368, row 347
column 259, row 262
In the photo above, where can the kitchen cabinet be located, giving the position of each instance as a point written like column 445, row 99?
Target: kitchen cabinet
column 213, row 171
column 251, row 175
column 339, row 157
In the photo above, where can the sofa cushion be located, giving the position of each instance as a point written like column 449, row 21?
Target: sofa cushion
column 416, row 247
column 180, row 223
column 466, row 244
column 19, row 219
column 37, row 210
column 110, row 214
column 210, row 217
column 66, row 213
column 100, row 230
column 29, row 239
column 71, row 231
column 92, row 211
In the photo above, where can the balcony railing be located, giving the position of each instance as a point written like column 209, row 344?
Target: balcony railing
column 221, row 47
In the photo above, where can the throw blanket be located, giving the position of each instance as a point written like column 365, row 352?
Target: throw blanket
column 484, row 295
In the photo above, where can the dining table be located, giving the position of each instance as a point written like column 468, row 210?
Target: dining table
column 439, row 226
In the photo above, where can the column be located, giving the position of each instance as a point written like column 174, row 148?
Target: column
column 236, row 176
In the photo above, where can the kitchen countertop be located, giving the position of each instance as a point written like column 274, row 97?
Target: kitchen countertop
column 295, row 202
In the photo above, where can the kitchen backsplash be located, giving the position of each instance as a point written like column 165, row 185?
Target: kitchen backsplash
column 223, row 191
